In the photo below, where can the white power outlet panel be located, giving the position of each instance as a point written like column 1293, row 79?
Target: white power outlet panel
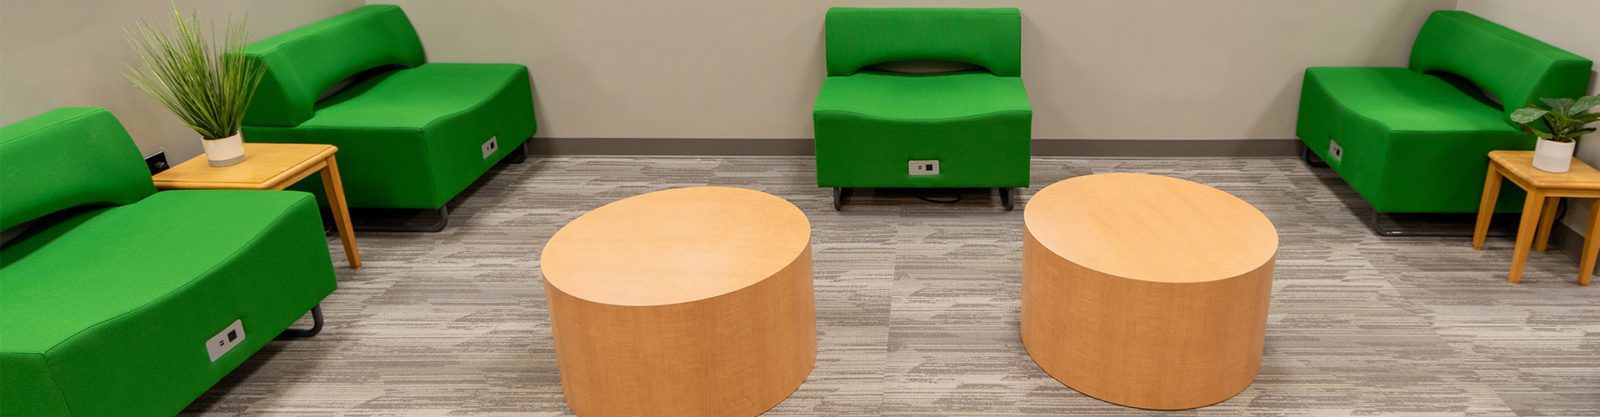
column 1335, row 151
column 923, row 167
column 493, row 144
column 223, row 342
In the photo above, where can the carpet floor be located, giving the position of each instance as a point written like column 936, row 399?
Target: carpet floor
column 917, row 306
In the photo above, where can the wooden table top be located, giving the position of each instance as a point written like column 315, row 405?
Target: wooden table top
column 675, row 246
column 265, row 166
column 1519, row 164
column 1151, row 228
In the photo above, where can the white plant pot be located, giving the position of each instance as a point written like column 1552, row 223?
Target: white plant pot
column 226, row 151
column 1552, row 156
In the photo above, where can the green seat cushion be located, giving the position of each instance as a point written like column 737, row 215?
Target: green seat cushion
column 412, row 138
column 109, row 309
column 1410, row 142
column 871, row 124
column 416, row 98
column 1401, row 100
column 922, row 97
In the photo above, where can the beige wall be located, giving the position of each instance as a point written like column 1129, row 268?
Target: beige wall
column 1568, row 24
column 1095, row 69
column 56, row 53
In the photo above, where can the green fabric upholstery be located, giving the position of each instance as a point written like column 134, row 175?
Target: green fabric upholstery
column 66, row 158
column 989, row 38
column 107, row 308
column 412, row 138
column 409, row 136
column 1417, row 140
column 307, row 61
column 1393, row 121
column 869, row 124
column 1512, row 67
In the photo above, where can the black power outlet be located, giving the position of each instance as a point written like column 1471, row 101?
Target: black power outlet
column 157, row 162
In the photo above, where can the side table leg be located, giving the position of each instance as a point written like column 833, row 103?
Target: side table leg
column 1591, row 246
column 341, row 214
column 1525, row 232
column 1546, row 220
column 1491, row 193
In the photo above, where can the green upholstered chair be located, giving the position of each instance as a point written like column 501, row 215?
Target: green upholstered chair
column 871, row 124
column 1416, row 140
column 411, row 134
column 109, row 290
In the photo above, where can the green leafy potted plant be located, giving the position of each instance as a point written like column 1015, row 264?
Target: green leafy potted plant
column 1564, row 120
column 208, row 86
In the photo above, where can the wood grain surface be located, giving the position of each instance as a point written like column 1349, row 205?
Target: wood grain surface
column 684, row 302
column 1151, row 228
column 266, row 166
column 1146, row 291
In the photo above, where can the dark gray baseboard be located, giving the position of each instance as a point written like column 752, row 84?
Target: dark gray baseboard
column 1155, row 148
column 669, row 146
column 1133, row 148
column 1563, row 238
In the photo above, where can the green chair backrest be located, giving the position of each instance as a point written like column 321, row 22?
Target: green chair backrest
column 989, row 38
column 305, row 62
column 1512, row 67
column 65, row 158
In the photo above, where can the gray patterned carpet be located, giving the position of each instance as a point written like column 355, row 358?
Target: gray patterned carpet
column 917, row 307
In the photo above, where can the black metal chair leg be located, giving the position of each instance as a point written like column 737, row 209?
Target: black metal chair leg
column 316, row 326
column 518, row 155
column 839, row 195
column 1007, row 198
column 1311, row 157
column 1375, row 222
column 436, row 226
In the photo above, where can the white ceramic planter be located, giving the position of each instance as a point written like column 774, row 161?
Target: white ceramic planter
column 1552, row 156
column 226, row 151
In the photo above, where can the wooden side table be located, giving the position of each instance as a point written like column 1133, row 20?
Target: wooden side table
column 1545, row 191
column 271, row 166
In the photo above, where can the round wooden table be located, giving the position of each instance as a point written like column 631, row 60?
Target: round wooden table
column 1146, row 291
column 690, row 301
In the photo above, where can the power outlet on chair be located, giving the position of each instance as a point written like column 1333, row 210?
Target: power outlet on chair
column 491, row 145
column 157, row 162
column 1335, row 152
column 225, row 341
column 923, row 167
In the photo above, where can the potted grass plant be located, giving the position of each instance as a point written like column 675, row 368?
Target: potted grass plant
column 1563, row 120
column 206, row 84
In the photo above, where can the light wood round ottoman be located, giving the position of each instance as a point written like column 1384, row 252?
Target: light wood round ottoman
column 684, row 302
column 1146, row 291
